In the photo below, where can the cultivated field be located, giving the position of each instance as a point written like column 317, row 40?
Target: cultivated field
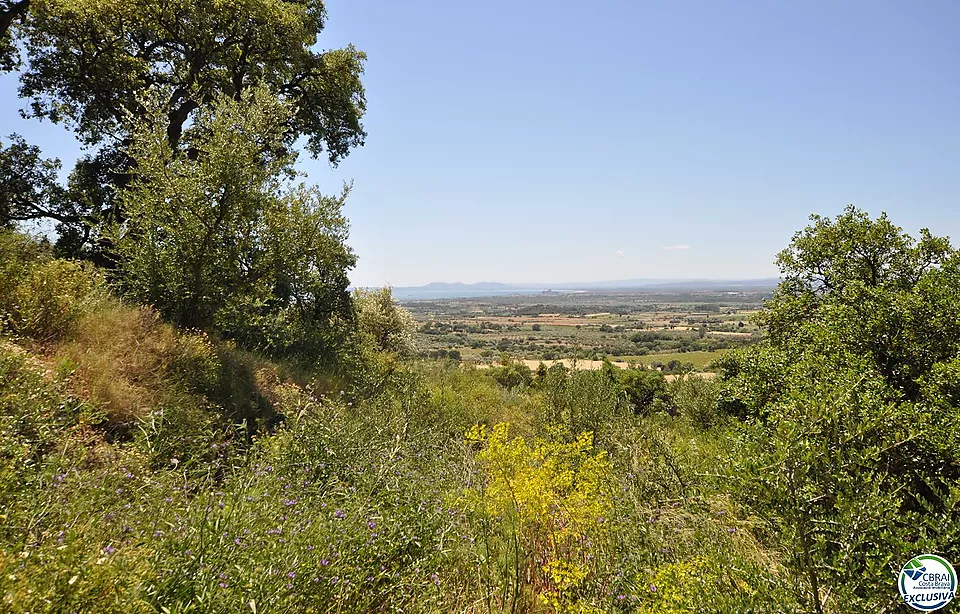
column 672, row 331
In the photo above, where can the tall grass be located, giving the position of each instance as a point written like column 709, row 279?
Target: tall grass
column 145, row 468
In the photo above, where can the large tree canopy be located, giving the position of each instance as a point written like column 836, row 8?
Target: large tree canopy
column 28, row 182
column 223, row 240
column 90, row 64
column 88, row 61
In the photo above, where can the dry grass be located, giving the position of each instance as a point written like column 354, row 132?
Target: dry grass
column 119, row 354
column 126, row 362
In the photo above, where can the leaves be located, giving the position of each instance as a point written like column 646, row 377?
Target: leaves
column 88, row 61
column 220, row 238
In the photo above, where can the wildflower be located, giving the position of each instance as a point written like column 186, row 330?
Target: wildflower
column 292, row 575
column 109, row 550
column 339, row 514
column 653, row 588
column 371, row 524
column 324, row 562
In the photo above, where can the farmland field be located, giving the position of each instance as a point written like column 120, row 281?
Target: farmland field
column 669, row 330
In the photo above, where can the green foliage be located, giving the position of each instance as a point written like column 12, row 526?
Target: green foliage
column 373, row 505
column 148, row 469
column 40, row 296
column 695, row 398
column 512, row 374
column 87, row 62
column 219, row 241
column 384, row 326
column 28, row 183
column 646, row 390
column 582, row 400
column 848, row 448
column 51, row 297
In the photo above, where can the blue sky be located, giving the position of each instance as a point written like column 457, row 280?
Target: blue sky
column 532, row 141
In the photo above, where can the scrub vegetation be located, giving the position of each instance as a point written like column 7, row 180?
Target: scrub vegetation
column 197, row 415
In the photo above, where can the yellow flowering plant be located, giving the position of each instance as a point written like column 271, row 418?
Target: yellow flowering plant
column 542, row 504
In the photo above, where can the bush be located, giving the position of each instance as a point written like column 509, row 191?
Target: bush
column 41, row 297
column 512, row 375
column 646, row 390
column 696, row 399
column 51, row 298
column 384, row 325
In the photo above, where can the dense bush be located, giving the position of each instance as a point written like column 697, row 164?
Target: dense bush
column 217, row 236
column 41, row 296
column 646, row 390
column 848, row 447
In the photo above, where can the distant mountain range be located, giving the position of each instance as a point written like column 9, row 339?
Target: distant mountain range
column 439, row 289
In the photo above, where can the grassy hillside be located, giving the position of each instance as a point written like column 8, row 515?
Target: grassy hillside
column 147, row 468
column 150, row 468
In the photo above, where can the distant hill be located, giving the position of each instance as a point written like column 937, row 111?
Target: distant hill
column 435, row 290
column 442, row 286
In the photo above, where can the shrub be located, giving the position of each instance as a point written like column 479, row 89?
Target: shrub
column 512, row 375
column 696, row 398
column 646, row 390
column 41, row 297
column 538, row 506
column 582, row 400
column 384, row 325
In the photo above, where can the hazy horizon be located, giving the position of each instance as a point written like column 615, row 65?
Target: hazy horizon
column 586, row 282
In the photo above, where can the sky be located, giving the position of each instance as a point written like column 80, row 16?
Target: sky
column 533, row 141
